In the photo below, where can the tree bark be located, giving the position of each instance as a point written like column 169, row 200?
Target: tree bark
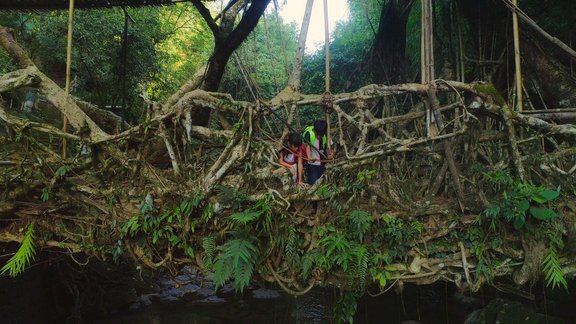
column 226, row 41
column 388, row 59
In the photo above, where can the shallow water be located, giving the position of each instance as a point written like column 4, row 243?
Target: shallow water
column 41, row 296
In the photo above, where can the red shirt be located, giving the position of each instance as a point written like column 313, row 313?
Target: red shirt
column 291, row 157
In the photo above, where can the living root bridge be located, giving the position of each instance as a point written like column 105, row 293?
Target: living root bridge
column 166, row 192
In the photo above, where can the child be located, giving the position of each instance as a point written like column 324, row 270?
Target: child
column 317, row 151
column 291, row 156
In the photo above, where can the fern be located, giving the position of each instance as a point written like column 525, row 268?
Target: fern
column 18, row 262
column 245, row 217
column 553, row 270
column 345, row 307
column 308, row 263
column 209, row 245
column 291, row 248
column 360, row 270
column 236, row 261
column 360, row 222
column 231, row 197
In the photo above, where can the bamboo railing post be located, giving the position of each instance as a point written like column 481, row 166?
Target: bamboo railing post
column 519, row 104
column 327, row 80
column 434, row 122
column 68, row 63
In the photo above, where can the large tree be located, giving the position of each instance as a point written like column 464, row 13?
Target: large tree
column 388, row 58
column 227, row 37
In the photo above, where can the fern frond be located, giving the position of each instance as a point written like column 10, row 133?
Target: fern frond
column 361, row 264
column 209, row 246
column 18, row 262
column 242, row 276
column 236, row 261
column 291, row 248
column 222, row 271
column 308, row 263
column 245, row 217
column 553, row 270
column 360, row 222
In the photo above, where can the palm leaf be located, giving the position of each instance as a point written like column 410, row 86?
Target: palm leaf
column 21, row 259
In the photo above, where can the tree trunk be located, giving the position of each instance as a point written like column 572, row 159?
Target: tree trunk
column 388, row 59
column 226, row 41
column 557, row 87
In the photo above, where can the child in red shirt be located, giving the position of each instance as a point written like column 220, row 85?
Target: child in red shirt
column 291, row 156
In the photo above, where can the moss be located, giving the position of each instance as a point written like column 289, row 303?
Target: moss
column 489, row 90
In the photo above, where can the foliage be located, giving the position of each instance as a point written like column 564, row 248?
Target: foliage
column 336, row 249
column 165, row 46
column 167, row 228
column 360, row 222
column 231, row 197
column 45, row 196
column 265, row 58
column 261, row 213
column 345, row 306
column 25, row 254
column 291, row 247
column 7, row 64
column 553, row 270
column 399, row 234
column 209, row 245
column 529, row 208
column 522, row 204
column 62, row 171
column 236, row 261
column 349, row 47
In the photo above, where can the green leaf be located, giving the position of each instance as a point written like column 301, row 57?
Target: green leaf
column 20, row 260
column 245, row 217
column 519, row 222
column 545, row 196
column 553, row 270
column 523, row 205
column 542, row 213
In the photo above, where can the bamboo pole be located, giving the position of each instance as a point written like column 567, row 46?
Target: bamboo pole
column 541, row 31
column 327, row 81
column 68, row 62
column 519, row 104
column 327, row 45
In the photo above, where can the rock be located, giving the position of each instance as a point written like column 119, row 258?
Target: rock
column 501, row 311
column 265, row 294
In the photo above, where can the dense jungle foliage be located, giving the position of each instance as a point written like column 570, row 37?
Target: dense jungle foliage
column 487, row 200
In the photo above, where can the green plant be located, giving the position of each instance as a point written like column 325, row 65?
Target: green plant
column 22, row 258
column 162, row 229
column 360, row 222
column 380, row 268
column 553, row 270
column 345, row 306
column 522, row 204
column 236, row 261
column 45, row 196
column 291, row 247
column 399, row 233
column 365, row 175
column 62, row 171
column 529, row 208
column 231, row 197
column 261, row 213
column 209, row 246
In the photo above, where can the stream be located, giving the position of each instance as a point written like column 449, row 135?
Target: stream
column 43, row 295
